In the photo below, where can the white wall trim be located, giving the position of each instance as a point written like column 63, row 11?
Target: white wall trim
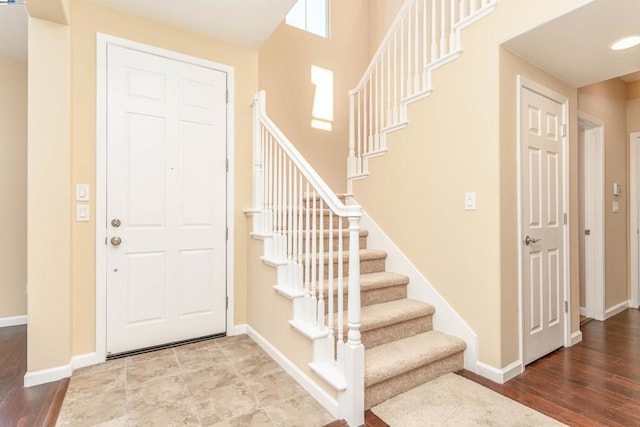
column 239, row 329
column 634, row 220
column 84, row 360
column 13, row 321
column 617, row 309
column 102, row 41
column 523, row 82
column 47, row 375
column 319, row 394
column 445, row 319
column 503, row 375
column 593, row 129
column 576, row 337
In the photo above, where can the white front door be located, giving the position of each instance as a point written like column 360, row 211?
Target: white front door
column 166, row 200
column 542, row 199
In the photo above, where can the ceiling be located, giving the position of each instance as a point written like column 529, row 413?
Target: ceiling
column 575, row 46
column 243, row 22
column 13, row 31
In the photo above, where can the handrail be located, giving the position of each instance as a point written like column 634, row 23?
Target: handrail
column 320, row 185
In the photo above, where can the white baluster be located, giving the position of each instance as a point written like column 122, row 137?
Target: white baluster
column 320, row 315
column 351, row 160
column 410, row 90
column 315, row 260
column 462, row 10
column 301, row 212
column 402, row 77
column 359, row 132
column 452, row 33
column 443, row 27
column 370, row 145
column 473, row 7
column 395, row 79
column 425, row 32
column 389, row 83
column 376, row 140
column 416, row 60
column 340, row 314
column 434, row 37
column 330, row 292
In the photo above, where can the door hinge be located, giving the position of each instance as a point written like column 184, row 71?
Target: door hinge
column 563, row 131
column 587, row 232
column 227, row 165
column 564, row 218
column 566, row 306
column 227, row 234
column 105, row 240
column 227, row 303
column 227, row 97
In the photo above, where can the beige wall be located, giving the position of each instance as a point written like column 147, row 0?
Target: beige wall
column 461, row 139
column 48, row 195
column 88, row 19
column 13, row 186
column 381, row 16
column 269, row 313
column 62, row 253
column 285, row 74
column 607, row 101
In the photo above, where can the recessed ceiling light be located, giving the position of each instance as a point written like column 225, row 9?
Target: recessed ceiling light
column 626, row 42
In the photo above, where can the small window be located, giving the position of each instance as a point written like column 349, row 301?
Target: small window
column 322, row 112
column 311, row 16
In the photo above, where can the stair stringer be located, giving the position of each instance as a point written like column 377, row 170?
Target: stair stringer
column 445, row 318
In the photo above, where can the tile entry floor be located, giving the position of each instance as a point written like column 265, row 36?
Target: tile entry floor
column 224, row 382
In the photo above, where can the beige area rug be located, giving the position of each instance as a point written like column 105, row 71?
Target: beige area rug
column 452, row 400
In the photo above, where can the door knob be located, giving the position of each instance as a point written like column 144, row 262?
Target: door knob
column 528, row 240
column 115, row 241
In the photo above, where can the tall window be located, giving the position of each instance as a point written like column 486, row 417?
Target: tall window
column 311, row 16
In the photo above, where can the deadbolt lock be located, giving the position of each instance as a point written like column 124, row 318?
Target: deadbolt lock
column 115, row 223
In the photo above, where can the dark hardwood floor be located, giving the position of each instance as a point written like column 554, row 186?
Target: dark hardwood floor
column 596, row 382
column 19, row 406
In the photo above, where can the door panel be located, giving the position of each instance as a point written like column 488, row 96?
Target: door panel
column 542, row 221
column 166, row 183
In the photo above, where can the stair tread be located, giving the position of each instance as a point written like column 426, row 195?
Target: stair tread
column 371, row 281
column 397, row 357
column 389, row 313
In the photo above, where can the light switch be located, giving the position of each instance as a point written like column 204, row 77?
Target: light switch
column 82, row 192
column 470, row 201
column 82, row 213
column 616, row 206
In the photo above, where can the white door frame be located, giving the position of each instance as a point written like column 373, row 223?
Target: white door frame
column 634, row 221
column 594, row 214
column 103, row 40
column 525, row 83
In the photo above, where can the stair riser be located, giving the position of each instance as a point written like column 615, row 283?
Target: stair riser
column 378, row 393
column 373, row 296
column 396, row 331
column 362, row 243
column 376, row 265
column 378, row 296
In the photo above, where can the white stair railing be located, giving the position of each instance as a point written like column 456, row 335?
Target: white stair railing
column 424, row 35
column 311, row 237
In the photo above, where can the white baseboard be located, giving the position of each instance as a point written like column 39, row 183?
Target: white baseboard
column 238, row 330
column 47, row 375
column 13, row 321
column 503, row 375
column 616, row 309
column 319, row 394
column 445, row 319
column 576, row 337
column 85, row 360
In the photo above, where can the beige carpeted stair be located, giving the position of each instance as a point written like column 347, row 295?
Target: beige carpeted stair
column 402, row 351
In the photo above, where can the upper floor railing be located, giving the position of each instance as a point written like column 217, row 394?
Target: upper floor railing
column 424, row 35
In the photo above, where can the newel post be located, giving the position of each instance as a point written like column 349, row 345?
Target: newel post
column 352, row 401
column 258, row 183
